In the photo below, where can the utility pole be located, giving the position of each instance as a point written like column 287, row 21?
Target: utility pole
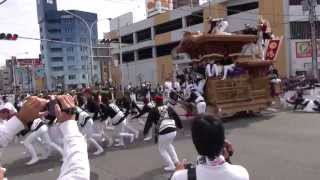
column 209, row 1
column 313, row 19
column 310, row 5
column 13, row 68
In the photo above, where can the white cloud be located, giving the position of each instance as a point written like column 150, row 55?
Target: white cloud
column 20, row 16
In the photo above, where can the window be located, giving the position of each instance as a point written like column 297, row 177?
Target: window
column 54, row 21
column 144, row 35
column 166, row 49
column 83, row 40
column 72, row 77
column 83, row 76
column 95, row 67
column 145, row 53
column 60, row 77
column 57, row 59
column 83, row 67
column 56, row 49
column 128, row 57
column 298, row 2
column 127, row 39
column 53, row 31
column 195, row 18
column 50, row 1
column 168, row 26
column 70, row 58
column 83, row 58
column 68, row 30
column 83, row 49
column 301, row 30
column 242, row 7
column 72, row 67
column 57, row 68
column 69, row 49
column 69, row 39
column 56, row 39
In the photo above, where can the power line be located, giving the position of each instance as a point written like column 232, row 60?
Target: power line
column 3, row 1
column 56, row 41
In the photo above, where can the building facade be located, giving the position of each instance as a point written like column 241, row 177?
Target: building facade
column 66, row 48
column 298, row 37
column 102, row 54
column 5, row 79
column 146, row 47
column 24, row 75
column 144, row 53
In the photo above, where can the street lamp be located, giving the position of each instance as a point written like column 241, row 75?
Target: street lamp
column 90, row 29
column 2, row 1
column 90, row 40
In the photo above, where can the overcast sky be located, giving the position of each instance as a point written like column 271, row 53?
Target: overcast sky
column 20, row 17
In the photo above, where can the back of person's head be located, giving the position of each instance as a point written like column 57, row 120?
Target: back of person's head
column 5, row 98
column 158, row 100
column 208, row 136
column 105, row 99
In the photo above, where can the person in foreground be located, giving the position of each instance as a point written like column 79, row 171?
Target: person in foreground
column 209, row 139
column 75, row 156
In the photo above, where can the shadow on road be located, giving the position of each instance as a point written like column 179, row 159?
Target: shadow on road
column 18, row 167
column 156, row 174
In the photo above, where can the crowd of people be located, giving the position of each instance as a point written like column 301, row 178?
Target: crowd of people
column 67, row 122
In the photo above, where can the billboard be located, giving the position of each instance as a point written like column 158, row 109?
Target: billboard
column 28, row 62
column 158, row 6
column 304, row 49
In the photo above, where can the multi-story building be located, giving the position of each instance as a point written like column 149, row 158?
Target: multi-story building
column 146, row 46
column 298, row 34
column 65, row 49
column 5, row 79
column 102, row 54
column 24, row 74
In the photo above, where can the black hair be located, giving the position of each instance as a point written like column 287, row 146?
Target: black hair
column 4, row 98
column 80, row 99
column 208, row 136
column 105, row 98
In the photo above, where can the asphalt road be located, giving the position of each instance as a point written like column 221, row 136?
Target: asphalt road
column 283, row 146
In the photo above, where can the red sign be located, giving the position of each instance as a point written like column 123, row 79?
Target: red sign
column 28, row 62
column 304, row 49
column 273, row 49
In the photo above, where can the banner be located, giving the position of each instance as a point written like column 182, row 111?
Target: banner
column 304, row 49
column 273, row 49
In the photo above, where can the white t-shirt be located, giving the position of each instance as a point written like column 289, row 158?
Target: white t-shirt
column 9, row 106
column 168, row 85
column 225, row 171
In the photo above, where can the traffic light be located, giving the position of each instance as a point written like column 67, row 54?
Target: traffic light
column 8, row 36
